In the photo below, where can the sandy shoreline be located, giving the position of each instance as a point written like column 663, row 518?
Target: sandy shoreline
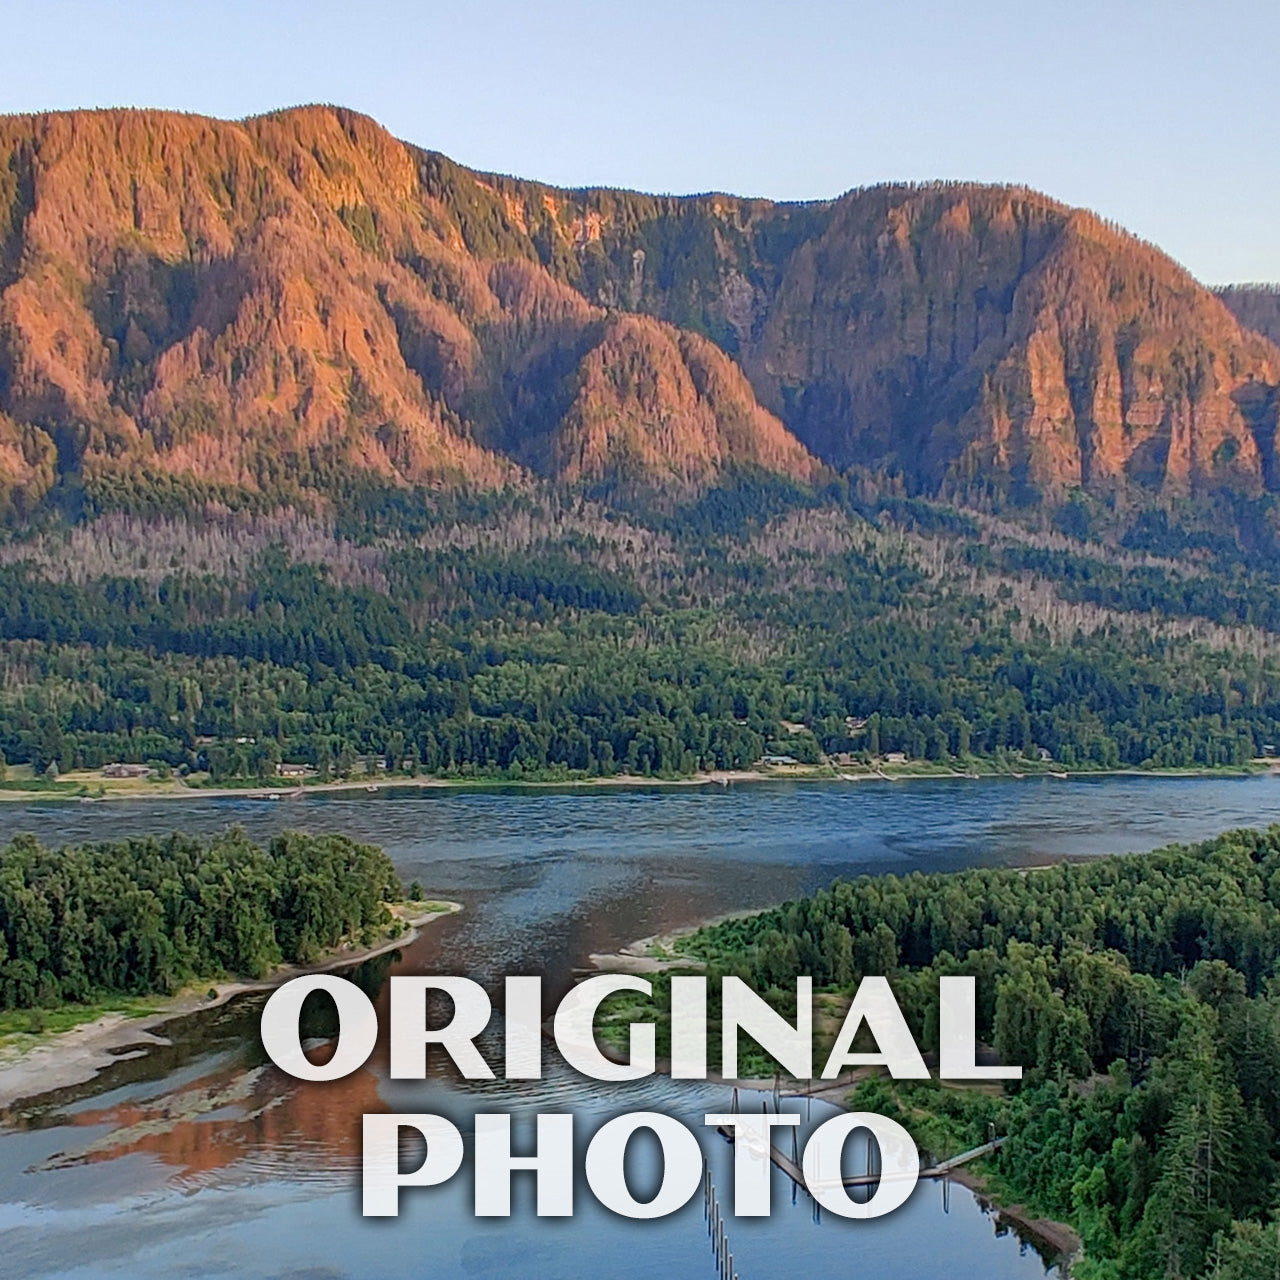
column 61, row 1059
column 284, row 791
column 639, row 957
column 177, row 790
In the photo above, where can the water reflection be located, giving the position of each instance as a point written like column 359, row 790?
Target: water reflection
column 200, row 1159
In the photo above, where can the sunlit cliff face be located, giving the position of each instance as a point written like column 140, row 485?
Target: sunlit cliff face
column 273, row 303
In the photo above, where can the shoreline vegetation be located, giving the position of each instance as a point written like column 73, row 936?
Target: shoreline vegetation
column 34, row 1064
column 544, row 638
column 1057, row 1242
column 130, row 933
column 1141, row 995
column 91, row 788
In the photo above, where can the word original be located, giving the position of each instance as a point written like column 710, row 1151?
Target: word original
column 413, row 1036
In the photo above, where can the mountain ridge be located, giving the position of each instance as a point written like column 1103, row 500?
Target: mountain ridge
column 271, row 303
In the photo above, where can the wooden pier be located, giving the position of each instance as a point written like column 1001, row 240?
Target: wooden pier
column 720, row 1250
column 790, row 1165
column 722, row 1253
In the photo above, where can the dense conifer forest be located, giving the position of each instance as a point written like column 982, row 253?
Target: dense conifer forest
column 550, row 636
column 1141, row 995
column 143, row 916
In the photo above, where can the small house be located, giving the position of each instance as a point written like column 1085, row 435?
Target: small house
column 121, row 770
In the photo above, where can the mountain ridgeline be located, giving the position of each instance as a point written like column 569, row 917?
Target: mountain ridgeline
column 273, row 306
column 323, row 455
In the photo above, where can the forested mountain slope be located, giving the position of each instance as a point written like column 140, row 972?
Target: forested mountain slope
column 272, row 305
column 551, row 637
column 319, row 448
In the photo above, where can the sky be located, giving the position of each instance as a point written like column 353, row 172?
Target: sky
column 1164, row 116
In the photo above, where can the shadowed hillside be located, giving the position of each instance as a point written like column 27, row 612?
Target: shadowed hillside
column 1256, row 306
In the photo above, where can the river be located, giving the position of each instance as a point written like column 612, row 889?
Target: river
column 196, row 1159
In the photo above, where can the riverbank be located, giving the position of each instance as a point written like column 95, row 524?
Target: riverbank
column 32, row 1065
column 661, row 950
column 1058, row 1239
column 92, row 789
column 1057, row 1242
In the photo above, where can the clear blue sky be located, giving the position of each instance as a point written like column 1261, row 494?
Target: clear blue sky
column 1162, row 114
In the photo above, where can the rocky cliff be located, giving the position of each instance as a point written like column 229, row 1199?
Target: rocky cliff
column 275, row 303
column 280, row 302
column 979, row 341
column 1256, row 306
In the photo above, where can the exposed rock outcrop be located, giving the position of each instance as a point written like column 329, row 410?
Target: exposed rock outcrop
column 280, row 302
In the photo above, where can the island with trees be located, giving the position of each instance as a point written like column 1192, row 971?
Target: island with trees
column 146, row 916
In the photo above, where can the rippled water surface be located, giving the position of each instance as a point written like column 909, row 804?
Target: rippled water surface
column 198, row 1159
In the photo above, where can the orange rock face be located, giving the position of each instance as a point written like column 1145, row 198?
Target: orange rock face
column 280, row 303
column 266, row 303
column 989, row 339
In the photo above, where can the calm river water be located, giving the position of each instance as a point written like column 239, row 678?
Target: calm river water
column 197, row 1160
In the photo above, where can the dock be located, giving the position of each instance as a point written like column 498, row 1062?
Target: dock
column 790, row 1165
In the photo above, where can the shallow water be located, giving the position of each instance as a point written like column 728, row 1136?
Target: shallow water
column 200, row 1160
